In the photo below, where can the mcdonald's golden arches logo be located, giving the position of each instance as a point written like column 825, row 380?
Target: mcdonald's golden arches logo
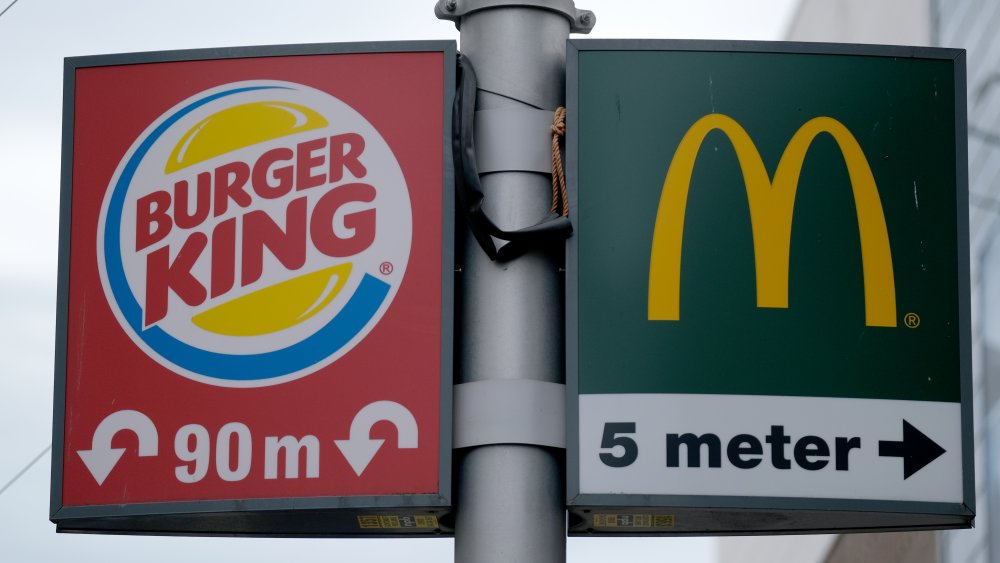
column 771, row 203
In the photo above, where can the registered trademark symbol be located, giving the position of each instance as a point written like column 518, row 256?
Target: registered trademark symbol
column 911, row 320
column 386, row 269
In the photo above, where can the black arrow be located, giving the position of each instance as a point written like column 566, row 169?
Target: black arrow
column 916, row 449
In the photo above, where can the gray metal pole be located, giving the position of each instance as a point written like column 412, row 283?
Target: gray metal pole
column 510, row 498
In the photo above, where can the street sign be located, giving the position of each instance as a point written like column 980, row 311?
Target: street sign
column 256, row 264
column 730, row 369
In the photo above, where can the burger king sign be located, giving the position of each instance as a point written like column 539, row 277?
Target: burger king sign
column 255, row 302
column 258, row 215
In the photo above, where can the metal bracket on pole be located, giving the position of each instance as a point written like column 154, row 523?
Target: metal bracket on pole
column 513, row 139
column 581, row 21
column 510, row 411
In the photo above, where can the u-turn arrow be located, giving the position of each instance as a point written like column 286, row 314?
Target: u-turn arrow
column 916, row 449
column 360, row 448
column 101, row 458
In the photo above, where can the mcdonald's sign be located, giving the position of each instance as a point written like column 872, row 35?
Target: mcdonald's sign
column 771, row 204
column 767, row 288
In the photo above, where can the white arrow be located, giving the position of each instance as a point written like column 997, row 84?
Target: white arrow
column 101, row 458
column 360, row 448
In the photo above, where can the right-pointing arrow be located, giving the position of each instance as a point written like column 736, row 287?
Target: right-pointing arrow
column 916, row 449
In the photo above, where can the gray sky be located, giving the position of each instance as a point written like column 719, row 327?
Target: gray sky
column 35, row 35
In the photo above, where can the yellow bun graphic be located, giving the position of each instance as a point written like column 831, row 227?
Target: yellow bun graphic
column 276, row 307
column 238, row 127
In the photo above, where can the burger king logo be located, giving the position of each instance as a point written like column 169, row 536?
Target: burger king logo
column 254, row 233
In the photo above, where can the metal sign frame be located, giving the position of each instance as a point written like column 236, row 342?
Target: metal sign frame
column 651, row 514
column 344, row 516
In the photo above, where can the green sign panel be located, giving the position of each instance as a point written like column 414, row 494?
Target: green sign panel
column 768, row 286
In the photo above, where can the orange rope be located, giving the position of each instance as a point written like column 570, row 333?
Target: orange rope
column 559, row 197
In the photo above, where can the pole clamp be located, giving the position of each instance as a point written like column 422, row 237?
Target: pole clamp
column 513, row 139
column 580, row 21
column 510, row 411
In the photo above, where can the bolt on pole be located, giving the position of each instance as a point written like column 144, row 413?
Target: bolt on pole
column 510, row 497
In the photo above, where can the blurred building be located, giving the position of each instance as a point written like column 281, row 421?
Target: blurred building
column 973, row 25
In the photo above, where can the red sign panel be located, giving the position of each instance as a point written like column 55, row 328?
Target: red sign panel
column 255, row 302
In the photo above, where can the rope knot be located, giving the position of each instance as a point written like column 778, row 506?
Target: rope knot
column 559, row 122
column 559, row 198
